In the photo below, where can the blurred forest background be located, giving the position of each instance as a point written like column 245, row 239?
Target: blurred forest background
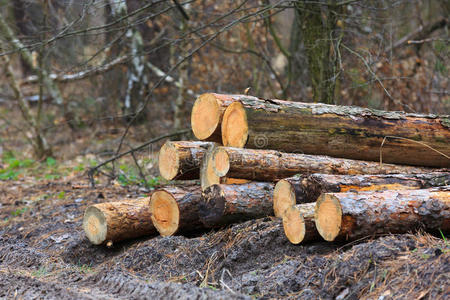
column 99, row 77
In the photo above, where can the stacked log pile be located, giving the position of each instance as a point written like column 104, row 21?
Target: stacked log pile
column 329, row 172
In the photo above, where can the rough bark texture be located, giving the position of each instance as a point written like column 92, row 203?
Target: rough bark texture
column 181, row 160
column 226, row 204
column 307, row 188
column 121, row 220
column 339, row 131
column 351, row 216
column 206, row 119
column 185, row 200
column 270, row 165
column 298, row 223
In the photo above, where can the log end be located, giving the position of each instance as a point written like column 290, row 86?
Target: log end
column 328, row 216
column 212, row 207
column 221, row 162
column 207, row 175
column 95, row 225
column 235, row 126
column 169, row 161
column 283, row 197
column 165, row 213
column 294, row 225
column 205, row 116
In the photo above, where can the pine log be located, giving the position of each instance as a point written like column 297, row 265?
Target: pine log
column 209, row 177
column 338, row 131
column 226, row 204
column 181, row 160
column 271, row 165
column 307, row 188
column 105, row 223
column 175, row 209
column 298, row 223
column 349, row 216
column 207, row 113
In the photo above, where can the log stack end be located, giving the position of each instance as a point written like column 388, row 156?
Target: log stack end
column 169, row 161
column 205, row 116
column 235, row 126
column 283, row 197
column 294, row 225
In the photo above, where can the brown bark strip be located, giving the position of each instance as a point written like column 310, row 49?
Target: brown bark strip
column 207, row 113
column 298, row 223
column 226, row 204
column 105, row 223
column 175, row 209
column 181, row 160
column 307, row 188
column 349, row 216
column 271, row 165
column 339, row 131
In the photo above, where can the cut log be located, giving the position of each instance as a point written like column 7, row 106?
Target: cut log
column 175, row 209
column 298, row 223
column 105, row 223
column 338, row 131
column 209, row 177
column 207, row 113
column 226, row 204
column 181, row 160
column 271, row 165
column 307, row 188
column 349, row 216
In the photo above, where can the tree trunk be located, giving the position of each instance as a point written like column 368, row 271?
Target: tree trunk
column 340, row 131
column 307, row 188
column 181, row 160
column 226, row 204
column 271, row 165
column 320, row 35
column 207, row 113
column 175, row 209
column 105, row 223
column 298, row 223
column 349, row 216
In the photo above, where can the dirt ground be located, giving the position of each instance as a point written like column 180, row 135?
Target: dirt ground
column 45, row 254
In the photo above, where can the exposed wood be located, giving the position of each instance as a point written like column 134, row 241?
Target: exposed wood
column 207, row 113
column 349, row 216
column 207, row 174
column 298, row 223
column 181, row 160
column 307, row 188
column 271, row 165
column 226, row 204
column 339, row 131
column 105, row 223
column 175, row 209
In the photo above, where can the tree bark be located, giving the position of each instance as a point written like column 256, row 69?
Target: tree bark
column 307, row 188
column 226, row 204
column 175, row 209
column 181, row 160
column 105, row 223
column 349, row 216
column 339, row 131
column 271, row 165
column 298, row 223
column 207, row 113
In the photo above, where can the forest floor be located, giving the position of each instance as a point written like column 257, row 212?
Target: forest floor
column 44, row 252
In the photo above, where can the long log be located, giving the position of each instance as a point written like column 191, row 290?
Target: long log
column 175, row 209
column 226, row 204
column 271, row 165
column 181, row 160
column 207, row 113
column 105, row 223
column 338, row 131
column 349, row 216
column 298, row 223
column 307, row 188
